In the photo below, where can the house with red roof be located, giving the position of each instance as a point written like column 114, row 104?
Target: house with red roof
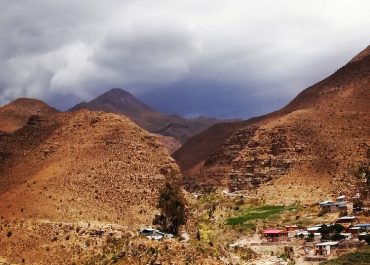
column 275, row 235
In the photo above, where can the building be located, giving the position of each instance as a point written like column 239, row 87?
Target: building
column 326, row 248
column 363, row 227
column 291, row 230
column 275, row 235
column 341, row 198
column 347, row 221
column 333, row 207
column 154, row 234
column 314, row 229
column 347, row 236
column 355, row 231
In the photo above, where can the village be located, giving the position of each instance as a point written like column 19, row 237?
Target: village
column 319, row 242
column 348, row 232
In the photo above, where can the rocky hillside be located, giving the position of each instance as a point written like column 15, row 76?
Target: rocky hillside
column 313, row 146
column 15, row 114
column 121, row 102
column 82, row 166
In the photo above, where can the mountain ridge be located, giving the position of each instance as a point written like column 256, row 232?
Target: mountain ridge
column 122, row 102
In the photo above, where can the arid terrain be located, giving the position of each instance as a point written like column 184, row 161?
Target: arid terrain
column 79, row 167
column 76, row 187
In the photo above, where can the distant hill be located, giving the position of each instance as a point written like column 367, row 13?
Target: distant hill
column 303, row 152
column 15, row 114
column 121, row 102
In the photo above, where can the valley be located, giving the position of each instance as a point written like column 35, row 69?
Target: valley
column 78, row 187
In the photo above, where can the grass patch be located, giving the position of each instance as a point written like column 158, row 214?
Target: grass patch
column 264, row 212
column 205, row 233
column 361, row 257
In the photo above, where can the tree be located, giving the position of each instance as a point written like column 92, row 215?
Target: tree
column 337, row 237
column 172, row 205
column 337, row 228
column 325, row 232
column 311, row 237
column 331, row 232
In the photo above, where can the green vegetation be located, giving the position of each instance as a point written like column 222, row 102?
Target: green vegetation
column 264, row 212
column 205, row 233
column 361, row 257
column 331, row 232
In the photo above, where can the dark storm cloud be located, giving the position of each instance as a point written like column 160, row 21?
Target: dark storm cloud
column 222, row 58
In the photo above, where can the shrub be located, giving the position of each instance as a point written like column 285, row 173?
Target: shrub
column 358, row 204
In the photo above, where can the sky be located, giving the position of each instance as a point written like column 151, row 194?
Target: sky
column 231, row 59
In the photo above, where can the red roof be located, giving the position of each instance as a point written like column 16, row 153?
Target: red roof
column 273, row 231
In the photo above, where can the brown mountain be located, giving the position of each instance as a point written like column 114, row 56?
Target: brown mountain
column 16, row 114
column 82, row 165
column 310, row 148
column 66, row 178
column 121, row 102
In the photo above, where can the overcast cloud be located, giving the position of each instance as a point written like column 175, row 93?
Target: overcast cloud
column 194, row 57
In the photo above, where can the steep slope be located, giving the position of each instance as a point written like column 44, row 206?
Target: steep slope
column 15, row 114
column 312, row 146
column 202, row 145
column 82, row 166
column 121, row 102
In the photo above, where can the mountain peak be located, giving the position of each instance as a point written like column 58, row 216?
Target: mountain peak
column 119, row 101
column 117, row 91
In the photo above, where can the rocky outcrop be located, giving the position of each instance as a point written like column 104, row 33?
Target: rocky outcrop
column 268, row 155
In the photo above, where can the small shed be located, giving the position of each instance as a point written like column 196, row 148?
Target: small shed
column 326, row 248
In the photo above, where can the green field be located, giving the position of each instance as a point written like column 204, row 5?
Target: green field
column 264, row 212
column 361, row 257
